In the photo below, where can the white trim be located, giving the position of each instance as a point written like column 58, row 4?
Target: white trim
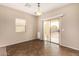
column 8, row 44
column 69, row 47
column 60, row 15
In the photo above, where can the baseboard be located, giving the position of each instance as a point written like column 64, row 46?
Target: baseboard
column 71, row 48
column 5, row 45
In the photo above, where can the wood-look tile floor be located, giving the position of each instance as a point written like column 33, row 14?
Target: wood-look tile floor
column 39, row 48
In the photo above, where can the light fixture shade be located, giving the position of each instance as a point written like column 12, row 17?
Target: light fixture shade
column 38, row 13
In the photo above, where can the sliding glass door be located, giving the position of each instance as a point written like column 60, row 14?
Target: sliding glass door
column 52, row 30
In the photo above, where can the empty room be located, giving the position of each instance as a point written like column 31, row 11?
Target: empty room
column 39, row 29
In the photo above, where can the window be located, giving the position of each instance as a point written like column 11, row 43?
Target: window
column 20, row 25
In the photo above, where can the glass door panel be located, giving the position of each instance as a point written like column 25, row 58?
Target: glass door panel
column 47, row 30
column 55, row 31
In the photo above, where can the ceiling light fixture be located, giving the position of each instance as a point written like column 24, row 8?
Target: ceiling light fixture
column 38, row 12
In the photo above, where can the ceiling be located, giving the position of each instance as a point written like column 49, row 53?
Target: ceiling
column 32, row 7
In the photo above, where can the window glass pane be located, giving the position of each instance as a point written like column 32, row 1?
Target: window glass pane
column 20, row 25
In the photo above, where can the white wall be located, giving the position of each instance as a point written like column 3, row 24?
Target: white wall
column 8, row 36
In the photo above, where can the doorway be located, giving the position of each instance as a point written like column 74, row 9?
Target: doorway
column 51, row 30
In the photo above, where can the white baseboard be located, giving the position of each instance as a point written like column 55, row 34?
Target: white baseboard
column 70, row 47
column 4, row 45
